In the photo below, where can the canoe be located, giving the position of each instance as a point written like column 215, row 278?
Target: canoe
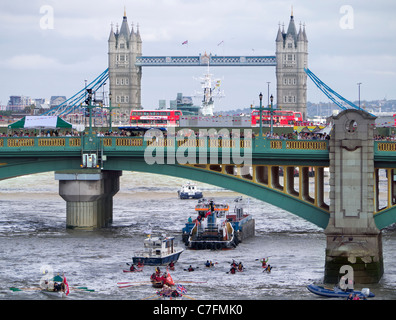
column 56, row 294
column 337, row 292
column 136, row 270
column 157, row 284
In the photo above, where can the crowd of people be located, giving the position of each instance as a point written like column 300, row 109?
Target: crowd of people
column 197, row 134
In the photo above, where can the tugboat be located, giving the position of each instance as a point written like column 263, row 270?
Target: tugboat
column 189, row 190
column 216, row 228
column 158, row 250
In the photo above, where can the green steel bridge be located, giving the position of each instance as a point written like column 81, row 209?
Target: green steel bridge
column 270, row 176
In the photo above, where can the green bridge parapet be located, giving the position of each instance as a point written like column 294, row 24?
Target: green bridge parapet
column 384, row 151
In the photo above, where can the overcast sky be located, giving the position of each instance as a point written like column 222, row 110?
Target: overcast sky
column 49, row 47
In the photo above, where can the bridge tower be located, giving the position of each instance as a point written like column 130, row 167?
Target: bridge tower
column 353, row 238
column 124, row 45
column 291, row 59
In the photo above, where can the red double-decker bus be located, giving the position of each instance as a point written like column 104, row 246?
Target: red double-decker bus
column 155, row 118
column 279, row 117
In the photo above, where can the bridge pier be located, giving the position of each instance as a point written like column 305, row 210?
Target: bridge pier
column 89, row 197
column 353, row 238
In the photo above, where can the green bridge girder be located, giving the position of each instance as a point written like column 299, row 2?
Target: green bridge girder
column 33, row 156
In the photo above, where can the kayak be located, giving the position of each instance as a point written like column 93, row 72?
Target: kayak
column 136, row 270
column 338, row 293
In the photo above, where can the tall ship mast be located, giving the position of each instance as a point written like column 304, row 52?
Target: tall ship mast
column 210, row 90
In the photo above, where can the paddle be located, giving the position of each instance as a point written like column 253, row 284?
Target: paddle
column 149, row 297
column 23, row 289
column 127, row 282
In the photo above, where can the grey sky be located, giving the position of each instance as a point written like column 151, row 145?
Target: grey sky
column 40, row 62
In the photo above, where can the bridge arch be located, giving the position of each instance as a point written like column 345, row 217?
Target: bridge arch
column 279, row 199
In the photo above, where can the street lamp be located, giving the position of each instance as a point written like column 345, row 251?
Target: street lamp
column 271, row 112
column 359, row 83
column 110, row 95
column 261, row 114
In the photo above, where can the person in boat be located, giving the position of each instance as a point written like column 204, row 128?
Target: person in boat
column 264, row 262
column 140, row 264
column 171, row 265
column 132, row 268
column 190, row 268
column 233, row 264
column 268, row 268
column 163, row 277
column 240, row 266
column 207, row 264
column 189, row 220
column 232, row 270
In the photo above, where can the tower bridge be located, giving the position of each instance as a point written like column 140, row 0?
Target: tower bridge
column 126, row 61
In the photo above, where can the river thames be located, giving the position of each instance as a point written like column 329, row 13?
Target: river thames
column 33, row 235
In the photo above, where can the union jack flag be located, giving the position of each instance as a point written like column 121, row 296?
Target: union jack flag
column 181, row 289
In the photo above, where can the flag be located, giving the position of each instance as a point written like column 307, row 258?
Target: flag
column 181, row 289
column 169, row 280
column 66, row 286
column 185, row 42
column 222, row 41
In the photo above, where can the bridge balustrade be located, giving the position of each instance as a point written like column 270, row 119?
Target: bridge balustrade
column 383, row 149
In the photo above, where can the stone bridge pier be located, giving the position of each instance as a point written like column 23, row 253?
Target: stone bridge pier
column 89, row 197
column 353, row 238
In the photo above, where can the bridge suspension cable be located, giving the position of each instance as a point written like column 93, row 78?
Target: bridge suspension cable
column 75, row 101
column 330, row 93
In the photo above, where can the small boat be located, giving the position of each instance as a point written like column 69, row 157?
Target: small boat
column 158, row 250
column 136, row 270
column 216, row 228
column 55, row 287
column 338, row 293
column 158, row 279
column 189, row 190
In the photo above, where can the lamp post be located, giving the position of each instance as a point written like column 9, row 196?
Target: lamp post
column 271, row 112
column 89, row 107
column 359, row 83
column 110, row 95
column 261, row 115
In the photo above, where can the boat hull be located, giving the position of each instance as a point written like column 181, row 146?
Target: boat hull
column 335, row 293
column 186, row 195
column 157, row 261
column 54, row 294
column 211, row 245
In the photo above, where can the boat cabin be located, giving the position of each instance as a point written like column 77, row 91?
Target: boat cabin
column 159, row 246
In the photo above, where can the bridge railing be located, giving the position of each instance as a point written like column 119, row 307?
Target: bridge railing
column 139, row 143
column 33, row 143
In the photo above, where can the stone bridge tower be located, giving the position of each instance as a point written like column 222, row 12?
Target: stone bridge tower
column 124, row 77
column 291, row 59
